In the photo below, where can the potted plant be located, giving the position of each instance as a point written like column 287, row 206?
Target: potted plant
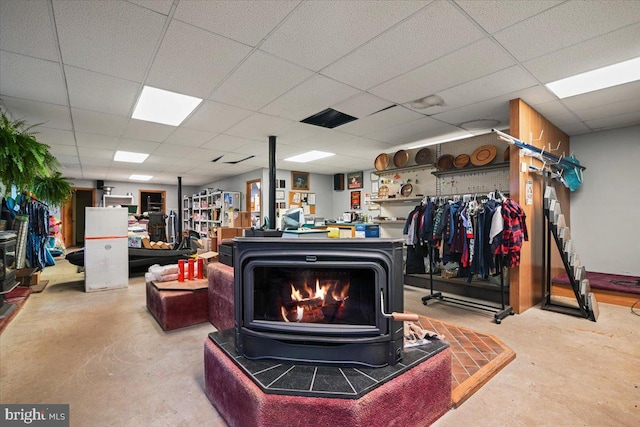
column 28, row 165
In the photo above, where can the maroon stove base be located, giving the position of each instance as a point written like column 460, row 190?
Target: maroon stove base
column 418, row 397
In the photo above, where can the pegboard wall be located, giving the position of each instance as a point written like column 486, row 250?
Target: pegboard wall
column 480, row 182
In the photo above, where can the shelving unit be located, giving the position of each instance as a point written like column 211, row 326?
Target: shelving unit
column 116, row 200
column 208, row 209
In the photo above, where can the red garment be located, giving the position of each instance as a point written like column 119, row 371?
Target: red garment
column 514, row 232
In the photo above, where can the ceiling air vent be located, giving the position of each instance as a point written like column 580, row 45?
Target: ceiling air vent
column 329, row 118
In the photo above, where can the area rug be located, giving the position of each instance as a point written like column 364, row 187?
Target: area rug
column 609, row 282
column 17, row 297
column 475, row 357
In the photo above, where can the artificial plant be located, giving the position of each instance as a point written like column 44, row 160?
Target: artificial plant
column 26, row 163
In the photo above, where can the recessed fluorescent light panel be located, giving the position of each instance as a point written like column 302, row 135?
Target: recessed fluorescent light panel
column 309, row 156
column 131, row 157
column 140, row 177
column 161, row 106
column 602, row 78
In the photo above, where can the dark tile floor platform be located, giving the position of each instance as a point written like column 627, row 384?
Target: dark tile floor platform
column 287, row 378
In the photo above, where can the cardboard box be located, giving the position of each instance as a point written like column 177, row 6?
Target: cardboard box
column 367, row 230
column 224, row 233
column 207, row 257
column 239, row 219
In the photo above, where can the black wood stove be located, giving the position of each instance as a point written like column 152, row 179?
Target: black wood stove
column 319, row 300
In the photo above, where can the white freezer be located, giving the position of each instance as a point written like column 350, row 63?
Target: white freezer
column 106, row 252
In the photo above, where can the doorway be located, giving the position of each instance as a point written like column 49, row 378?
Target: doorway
column 152, row 201
column 254, row 197
column 73, row 218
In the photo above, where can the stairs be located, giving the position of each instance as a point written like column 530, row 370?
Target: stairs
column 556, row 230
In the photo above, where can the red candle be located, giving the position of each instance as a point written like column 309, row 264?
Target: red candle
column 200, row 268
column 180, row 270
column 191, row 267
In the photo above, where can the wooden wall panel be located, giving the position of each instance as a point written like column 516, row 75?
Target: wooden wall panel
column 526, row 124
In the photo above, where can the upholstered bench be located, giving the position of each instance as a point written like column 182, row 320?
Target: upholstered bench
column 221, row 295
column 178, row 304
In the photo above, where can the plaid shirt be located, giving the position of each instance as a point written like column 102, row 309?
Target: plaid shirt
column 514, row 232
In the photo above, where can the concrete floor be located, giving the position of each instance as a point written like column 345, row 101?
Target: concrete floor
column 105, row 355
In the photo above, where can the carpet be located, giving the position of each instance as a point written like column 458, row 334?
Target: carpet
column 609, row 282
column 17, row 297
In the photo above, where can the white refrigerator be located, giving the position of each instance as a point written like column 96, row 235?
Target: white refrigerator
column 106, row 253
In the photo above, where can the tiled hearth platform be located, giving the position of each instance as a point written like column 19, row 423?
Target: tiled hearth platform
column 413, row 393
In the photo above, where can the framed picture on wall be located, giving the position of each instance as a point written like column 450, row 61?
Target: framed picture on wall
column 299, row 180
column 279, row 194
column 355, row 180
column 355, row 200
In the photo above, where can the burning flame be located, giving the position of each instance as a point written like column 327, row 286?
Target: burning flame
column 307, row 299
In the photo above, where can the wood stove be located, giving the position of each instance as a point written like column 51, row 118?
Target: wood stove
column 319, row 300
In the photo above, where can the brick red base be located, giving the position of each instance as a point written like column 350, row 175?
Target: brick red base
column 416, row 398
column 177, row 309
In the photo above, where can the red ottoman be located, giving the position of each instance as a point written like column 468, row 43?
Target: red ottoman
column 178, row 304
column 416, row 397
column 221, row 295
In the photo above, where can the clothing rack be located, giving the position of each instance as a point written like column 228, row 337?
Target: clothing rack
column 500, row 312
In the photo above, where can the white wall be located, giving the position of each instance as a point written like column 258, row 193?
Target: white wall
column 122, row 188
column 321, row 185
column 605, row 210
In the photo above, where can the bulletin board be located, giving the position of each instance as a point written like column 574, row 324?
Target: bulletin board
column 306, row 201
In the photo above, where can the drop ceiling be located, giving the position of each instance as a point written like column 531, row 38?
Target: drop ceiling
column 261, row 67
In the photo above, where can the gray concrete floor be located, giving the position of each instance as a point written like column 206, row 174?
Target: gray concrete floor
column 105, row 355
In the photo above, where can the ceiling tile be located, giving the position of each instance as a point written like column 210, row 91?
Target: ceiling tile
column 323, row 139
column 100, row 123
column 25, row 28
column 258, row 149
column 609, row 110
column 259, row 127
column 189, row 137
column 361, row 105
column 259, row 80
column 171, row 150
column 215, row 117
column 148, row 131
column 552, row 109
column 577, row 128
column 600, row 97
column 608, row 49
column 628, row 119
column 115, row 38
column 245, row 21
column 98, row 92
column 410, row 132
column 200, row 155
column 137, row 145
column 494, row 15
column 31, row 78
column 297, row 131
column 445, row 72
column 94, row 161
column 63, row 150
column 97, row 141
column 53, row 116
column 356, row 147
column 318, row 33
column 154, row 160
column 68, row 162
column 494, row 85
column 226, row 143
column 427, row 35
column 193, row 61
column 565, row 25
column 98, row 153
column 384, row 119
column 160, row 6
column 55, row 136
column 310, row 97
column 492, row 109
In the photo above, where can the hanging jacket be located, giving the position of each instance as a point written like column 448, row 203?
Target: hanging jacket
column 514, row 233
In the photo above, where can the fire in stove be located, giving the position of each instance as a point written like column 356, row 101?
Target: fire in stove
column 324, row 304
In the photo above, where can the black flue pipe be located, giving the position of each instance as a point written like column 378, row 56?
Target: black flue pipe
column 272, row 182
column 179, row 227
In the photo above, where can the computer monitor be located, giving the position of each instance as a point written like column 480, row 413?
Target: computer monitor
column 293, row 219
